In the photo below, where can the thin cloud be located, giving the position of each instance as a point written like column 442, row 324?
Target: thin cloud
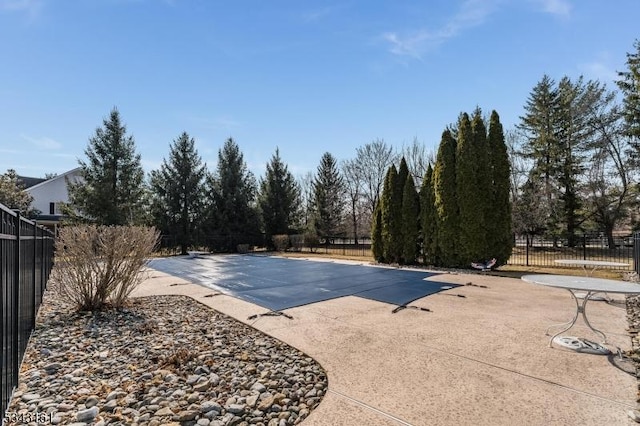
column 560, row 8
column 321, row 13
column 29, row 7
column 42, row 143
column 472, row 13
column 599, row 70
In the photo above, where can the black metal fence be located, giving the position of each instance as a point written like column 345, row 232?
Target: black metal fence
column 537, row 251
column 26, row 259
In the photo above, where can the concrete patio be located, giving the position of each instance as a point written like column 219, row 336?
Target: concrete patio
column 481, row 359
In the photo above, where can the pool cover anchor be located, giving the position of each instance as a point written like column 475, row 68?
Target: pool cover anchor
column 401, row 307
column 270, row 314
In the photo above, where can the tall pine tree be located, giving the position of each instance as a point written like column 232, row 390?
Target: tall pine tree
column 279, row 199
column 446, row 201
column 328, row 196
column 428, row 219
column 178, row 192
column 112, row 190
column 233, row 217
column 629, row 83
column 410, row 222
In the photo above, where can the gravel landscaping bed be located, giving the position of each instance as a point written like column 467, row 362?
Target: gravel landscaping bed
column 162, row 360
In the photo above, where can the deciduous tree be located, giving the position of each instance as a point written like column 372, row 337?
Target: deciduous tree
column 12, row 194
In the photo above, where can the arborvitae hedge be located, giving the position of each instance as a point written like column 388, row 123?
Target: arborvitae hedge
column 410, row 222
column 446, row 200
column 500, row 239
column 391, row 217
column 428, row 219
column 377, row 243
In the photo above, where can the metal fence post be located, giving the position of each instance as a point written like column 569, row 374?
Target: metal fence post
column 33, row 271
column 15, row 301
column 526, row 250
column 584, row 246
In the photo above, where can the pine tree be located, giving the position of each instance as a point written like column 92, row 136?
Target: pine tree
column 540, row 125
column 377, row 244
column 233, row 217
column 499, row 219
column 428, row 219
column 629, row 84
column 446, row 201
column 112, row 190
column 410, row 222
column 391, row 218
column 328, row 189
column 279, row 199
column 178, row 191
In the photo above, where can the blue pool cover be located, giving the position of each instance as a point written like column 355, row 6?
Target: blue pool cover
column 278, row 283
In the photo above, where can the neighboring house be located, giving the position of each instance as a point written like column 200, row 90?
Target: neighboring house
column 49, row 195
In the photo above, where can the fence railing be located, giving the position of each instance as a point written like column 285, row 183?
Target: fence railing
column 527, row 250
column 26, row 259
column 537, row 251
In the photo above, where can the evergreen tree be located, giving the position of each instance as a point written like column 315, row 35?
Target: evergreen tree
column 279, row 199
column 446, row 201
column 410, row 221
column 391, row 217
column 13, row 196
column 629, row 84
column 428, row 219
column 540, row 125
column 472, row 231
column 178, row 191
column 403, row 172
column 328, row 188
column 499, row 219
column 233, row 217
column 483, row 170
column 112, row 190
column 377, row 244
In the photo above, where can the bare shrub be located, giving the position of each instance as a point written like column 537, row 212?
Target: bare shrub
column 297, row 242
column 243, row 248
column 100, row 265
column 281, row 242
column 311, row 240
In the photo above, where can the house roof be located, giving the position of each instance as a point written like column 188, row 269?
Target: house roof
column 28, row 182
column 53, row 179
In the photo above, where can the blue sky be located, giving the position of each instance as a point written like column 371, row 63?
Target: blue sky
column 305, row 76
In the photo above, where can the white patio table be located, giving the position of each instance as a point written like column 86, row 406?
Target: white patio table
column 590, row 285
column 593, row 264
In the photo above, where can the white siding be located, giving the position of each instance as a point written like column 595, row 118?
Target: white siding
column 52, row 191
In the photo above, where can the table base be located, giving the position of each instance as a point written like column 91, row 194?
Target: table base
column 581, row 345
column 592, row 297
